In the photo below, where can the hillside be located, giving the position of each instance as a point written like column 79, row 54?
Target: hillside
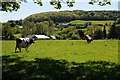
column 66, row 16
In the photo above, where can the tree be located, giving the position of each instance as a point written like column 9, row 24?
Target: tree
column 112, row 32
column 6, row 31
column 98, row 34
column 118, row 21
column 42, row 28
column 100, row 2
column 81, row 34
column 118, row 32
column 90, row 30
column 0, row 29
column 26, row 28
column 51, row 27
column 69, row 35
column 18, row 30
column 46, row 27
column 14, row 5
column 39, row 28
column 9, row 6
column 104, row 32
column 75, row 37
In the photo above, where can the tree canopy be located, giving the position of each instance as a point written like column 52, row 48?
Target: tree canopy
column 14, row 5
column 67, row 16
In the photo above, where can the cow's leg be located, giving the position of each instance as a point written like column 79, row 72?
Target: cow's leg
column 19, row 48
column 26, row 49
column 88, row 41
column 16, row 48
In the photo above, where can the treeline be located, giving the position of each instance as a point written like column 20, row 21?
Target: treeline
column 67, row 16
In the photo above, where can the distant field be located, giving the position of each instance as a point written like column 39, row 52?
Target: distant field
column 70, row 50
column 93, row 22
column 109, row 23
column 18, row 35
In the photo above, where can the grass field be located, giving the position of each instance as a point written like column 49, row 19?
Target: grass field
column 61, row 60
column 109, row 23
column 93, row 22
column 70, row 50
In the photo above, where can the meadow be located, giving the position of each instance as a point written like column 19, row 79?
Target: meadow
column 70, row 50
column 93, row 22
column 61, row 60
column 107, row 23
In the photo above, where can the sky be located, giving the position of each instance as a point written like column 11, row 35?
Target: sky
column 30, row 8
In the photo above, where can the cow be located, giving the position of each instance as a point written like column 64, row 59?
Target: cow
column 88, row 38
column 23, row 43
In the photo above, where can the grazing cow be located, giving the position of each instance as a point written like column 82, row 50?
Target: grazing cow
column 88, row 38
column 23, row 43
column 85, row 37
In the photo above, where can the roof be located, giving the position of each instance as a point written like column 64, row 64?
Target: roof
column 42, row 37
column 38, row 36
column 30, row 36
column 53, row 37
column 20, row 26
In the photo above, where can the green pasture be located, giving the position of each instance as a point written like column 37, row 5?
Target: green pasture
column 93, row 22
column 18, row 35
column 69, row 50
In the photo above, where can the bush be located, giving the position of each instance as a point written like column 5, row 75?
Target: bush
column 58, row 37
column 12, row 37
column 81, row 34
column 118, row 21
column 69, row 35
column 98, row 34
column 75, row 37
column 112, row 32
column 64, row 36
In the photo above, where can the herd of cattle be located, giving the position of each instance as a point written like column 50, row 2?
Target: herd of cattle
column 26, row 42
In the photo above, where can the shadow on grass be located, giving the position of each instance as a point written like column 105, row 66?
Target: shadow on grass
column 49, row 69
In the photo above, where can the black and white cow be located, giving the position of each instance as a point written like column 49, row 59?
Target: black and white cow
column 88, row 38
column 23, row 43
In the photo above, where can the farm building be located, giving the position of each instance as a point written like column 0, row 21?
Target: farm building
column 38, row 36
column 41, row 37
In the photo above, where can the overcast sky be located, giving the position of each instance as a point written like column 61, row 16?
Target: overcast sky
column 30, row 8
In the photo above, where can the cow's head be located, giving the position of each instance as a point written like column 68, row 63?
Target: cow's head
column 32, row 40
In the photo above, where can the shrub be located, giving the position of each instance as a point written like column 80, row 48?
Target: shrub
column 64, row 36
column 69, row 35
column 98, row 34
column 81, row 34
column 58, row 37
column 75, row 37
